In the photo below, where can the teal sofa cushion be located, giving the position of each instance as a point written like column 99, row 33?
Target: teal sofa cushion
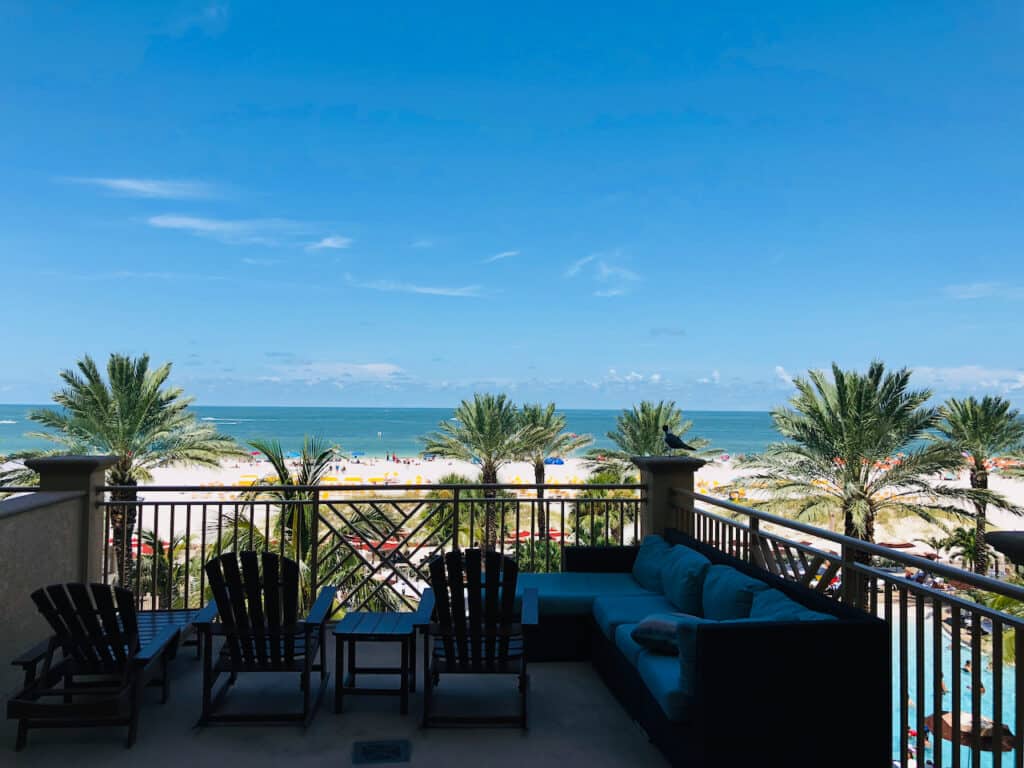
column 611, row 611
column 624, row 641
column 650, row 558
column 729, row 594
column 686, row 646
column 682, row 578
column 658, row 633
column 572, row 594
column 661, row 676
column 773, row 605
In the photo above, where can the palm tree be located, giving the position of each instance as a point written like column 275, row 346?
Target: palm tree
column 639, row 432
column 547, row 437
column 293, row 523
column 935, row 543
column 838, row 456
column 981, row 429
column 134, row 416
column 486, row 429
column 963, row 543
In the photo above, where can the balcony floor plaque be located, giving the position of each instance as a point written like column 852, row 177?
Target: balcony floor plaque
column 379, row 752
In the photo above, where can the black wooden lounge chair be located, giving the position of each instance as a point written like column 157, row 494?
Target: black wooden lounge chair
column 257, row 609
column 475, row 628
column 94, row 668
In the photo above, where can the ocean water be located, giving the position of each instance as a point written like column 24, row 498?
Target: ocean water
column 377, row 431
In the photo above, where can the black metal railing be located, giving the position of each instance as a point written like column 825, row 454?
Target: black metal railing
column 952, row 649
column 372, row 542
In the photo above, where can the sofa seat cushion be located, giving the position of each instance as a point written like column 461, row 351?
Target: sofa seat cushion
column 624, row 641
column 729, row 594
column 612, row 611
column 572, row 594
column 661, row 676
column 773, row 605
column 659, row 633
column 649, row 561
column 682, row 578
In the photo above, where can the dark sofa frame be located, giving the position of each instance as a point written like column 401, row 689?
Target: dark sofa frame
column 771, row 693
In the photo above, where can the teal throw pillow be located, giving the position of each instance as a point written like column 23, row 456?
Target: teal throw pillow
column 647, row 566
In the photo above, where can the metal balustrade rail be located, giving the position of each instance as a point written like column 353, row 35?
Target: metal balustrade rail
column 941, row 626
column 371, row 541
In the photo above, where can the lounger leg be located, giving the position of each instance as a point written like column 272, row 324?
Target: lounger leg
column 412, row 662
column 133, row 723
column 427, row 686
column 404, row 684
column 165, row 680
column 22, row 737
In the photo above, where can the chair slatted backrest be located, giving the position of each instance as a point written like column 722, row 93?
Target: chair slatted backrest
column 474, row 606
column 258, row 610
column 95, row 624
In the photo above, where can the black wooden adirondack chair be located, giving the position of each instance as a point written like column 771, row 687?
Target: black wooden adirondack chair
column 94, row 668
column 475, row 629
column 257, row 615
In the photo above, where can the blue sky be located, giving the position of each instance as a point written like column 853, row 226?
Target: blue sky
column 347, row 204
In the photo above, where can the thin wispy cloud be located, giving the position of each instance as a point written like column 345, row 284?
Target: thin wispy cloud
column 609, row 292
column 500, row 256
column 714, row 378
column 233, row 231
column 211, row 20
column 971, row 378
column 667, row 331
column 129, row 274
column 154, row 189
column 259, row 262
column 606, row 272
column 334, row 242
column 782, row 375
column 391, row 286
column 984, row 290
column 577, row 266
column 423, row 242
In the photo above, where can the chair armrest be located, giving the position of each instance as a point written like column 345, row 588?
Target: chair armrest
column 599, row 559
column 322, row 606
column 530, row 607
column 165, row 639
column 206, row 616
column 33, row 655
column 425, row 610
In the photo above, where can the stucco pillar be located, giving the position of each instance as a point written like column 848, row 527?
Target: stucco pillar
column 660, row 475
column 84, row 474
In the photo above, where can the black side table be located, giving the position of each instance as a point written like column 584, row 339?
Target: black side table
column 363, row 627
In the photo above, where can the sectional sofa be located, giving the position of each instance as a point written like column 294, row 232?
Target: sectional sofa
column 720, row 662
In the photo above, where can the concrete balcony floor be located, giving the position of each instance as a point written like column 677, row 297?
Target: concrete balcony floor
column 574, row 720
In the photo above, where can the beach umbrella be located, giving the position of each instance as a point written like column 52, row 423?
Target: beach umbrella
column 992, row 737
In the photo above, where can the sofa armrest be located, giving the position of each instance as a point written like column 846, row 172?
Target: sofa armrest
column 599, row 559
column 766, row 679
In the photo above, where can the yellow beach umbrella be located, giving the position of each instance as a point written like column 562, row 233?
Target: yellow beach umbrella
column 353, row 479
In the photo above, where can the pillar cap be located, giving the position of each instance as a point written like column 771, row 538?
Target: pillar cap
column 667, row 463
column 70, row 464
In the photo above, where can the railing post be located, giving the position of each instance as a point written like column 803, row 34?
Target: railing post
column 314, row 546
column 661, row 475
column 754, row 554
column 850, row 592
column 455, row 521
column 85, row 474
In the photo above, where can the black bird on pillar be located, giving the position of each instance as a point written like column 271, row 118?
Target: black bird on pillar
column 673, row 441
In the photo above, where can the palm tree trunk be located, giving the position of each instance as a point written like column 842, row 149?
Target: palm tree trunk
column 979, row 479
column 542, row 511
column 489, row 476
column 860, row 556
column 122, row 523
